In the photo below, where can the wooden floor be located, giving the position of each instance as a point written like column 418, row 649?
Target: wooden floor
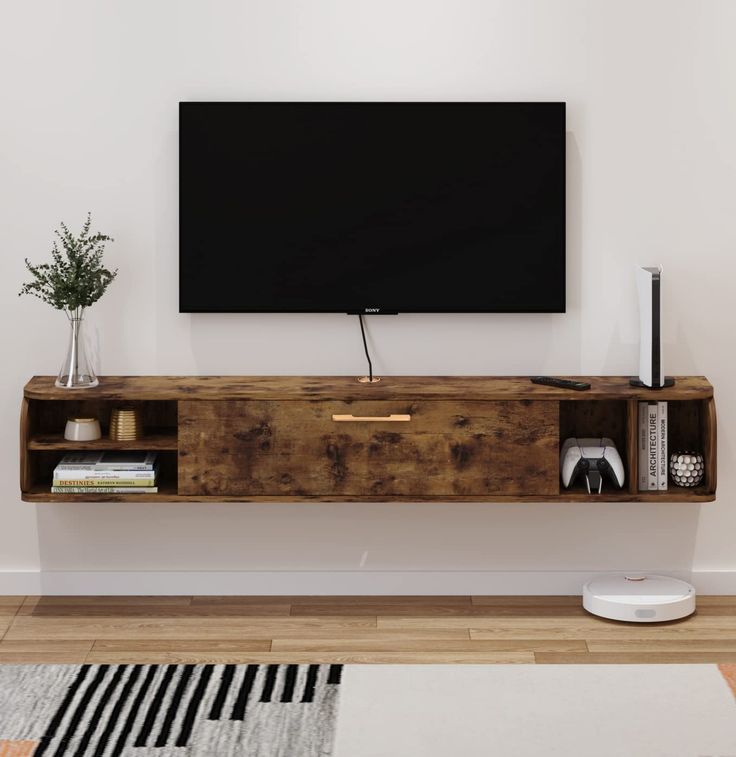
column 351, row 630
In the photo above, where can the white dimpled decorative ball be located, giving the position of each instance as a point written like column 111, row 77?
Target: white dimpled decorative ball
column 687, row 468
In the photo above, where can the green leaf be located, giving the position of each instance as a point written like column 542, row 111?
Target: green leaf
column 76, row 277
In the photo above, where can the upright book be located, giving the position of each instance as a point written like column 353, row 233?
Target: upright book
column 643, row 446
column 662, row 461
column 652, row 446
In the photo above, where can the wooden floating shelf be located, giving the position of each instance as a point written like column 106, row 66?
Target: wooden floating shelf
column 154, row 441
column 126, row 389
column 275, row 439
column 673, row 494
column 41, row 493
column 168, row 494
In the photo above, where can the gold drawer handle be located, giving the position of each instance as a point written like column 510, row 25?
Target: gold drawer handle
column 393, row 418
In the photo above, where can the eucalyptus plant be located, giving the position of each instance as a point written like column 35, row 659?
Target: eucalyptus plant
column 76, row 277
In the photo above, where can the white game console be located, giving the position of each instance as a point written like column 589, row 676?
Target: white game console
column 594, row 458
column 651, row 370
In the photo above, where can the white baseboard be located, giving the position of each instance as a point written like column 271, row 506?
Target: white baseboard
column 325, row 582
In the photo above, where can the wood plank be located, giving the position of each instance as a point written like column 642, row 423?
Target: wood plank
column 168, row 493
column 347, row 658
column 696, row 494
column 84, row 601
column 169, row 657
column 26, row 479
column 9, row 604
column 42, row 493
column 369, row 644
column 705, row 610
column 663, row 645
column 576, row 628
column 361, row 637
column 148, row 610
column 632, row 658
column 441, row 610
column 717, row 600
column 183, row 631
column 530, row 600
column 135, row 388
column 583, row 627
column 43, row 651
column 181, row 645
column 199, row 611
column 709, row 433
column 153, row 440
column 466, row 448
column 378, row 636
column 334, row 600
column 177, row 651
column 406, row 658
column 32, row 627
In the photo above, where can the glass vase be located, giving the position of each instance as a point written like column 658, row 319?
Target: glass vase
column 76, row 370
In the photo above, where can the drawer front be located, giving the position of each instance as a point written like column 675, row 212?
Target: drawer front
column 428, row 449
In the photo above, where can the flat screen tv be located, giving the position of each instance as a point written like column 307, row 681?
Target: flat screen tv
column 372, row 207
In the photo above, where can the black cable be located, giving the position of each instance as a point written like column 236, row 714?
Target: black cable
column 365, row 347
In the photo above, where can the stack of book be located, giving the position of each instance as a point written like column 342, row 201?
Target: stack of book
column 106, row 473
column 652, row 446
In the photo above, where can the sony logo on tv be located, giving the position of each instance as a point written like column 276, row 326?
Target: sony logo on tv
column 373, row 310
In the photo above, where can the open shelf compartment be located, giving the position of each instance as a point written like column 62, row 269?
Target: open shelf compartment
column 691, row 426
column 43, row 444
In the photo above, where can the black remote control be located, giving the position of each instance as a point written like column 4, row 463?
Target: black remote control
column 578, row 386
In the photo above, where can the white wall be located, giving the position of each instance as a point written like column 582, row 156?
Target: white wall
column 89, row 121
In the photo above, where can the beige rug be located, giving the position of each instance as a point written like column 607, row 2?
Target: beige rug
column 537, row 710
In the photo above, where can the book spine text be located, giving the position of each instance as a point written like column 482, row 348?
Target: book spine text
column 643, row 446
column 662, row 449
column 81, row 482
column 652, row 447
column 104, row 489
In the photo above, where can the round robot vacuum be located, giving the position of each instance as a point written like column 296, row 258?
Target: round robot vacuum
column 639, row 598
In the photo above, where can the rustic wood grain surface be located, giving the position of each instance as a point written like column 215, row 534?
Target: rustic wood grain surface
column 348, row 389
column 295, row 448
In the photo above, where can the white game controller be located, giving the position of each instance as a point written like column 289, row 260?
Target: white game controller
column 593, row 457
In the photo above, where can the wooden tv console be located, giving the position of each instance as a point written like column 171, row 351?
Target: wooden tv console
column 407, row 438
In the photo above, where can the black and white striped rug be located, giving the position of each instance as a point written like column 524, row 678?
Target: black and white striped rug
column 167, row 710
column 384, row 710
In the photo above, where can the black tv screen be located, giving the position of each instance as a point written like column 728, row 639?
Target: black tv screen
column 364, row 207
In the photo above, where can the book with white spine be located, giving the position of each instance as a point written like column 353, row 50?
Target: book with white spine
column 104, row 489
